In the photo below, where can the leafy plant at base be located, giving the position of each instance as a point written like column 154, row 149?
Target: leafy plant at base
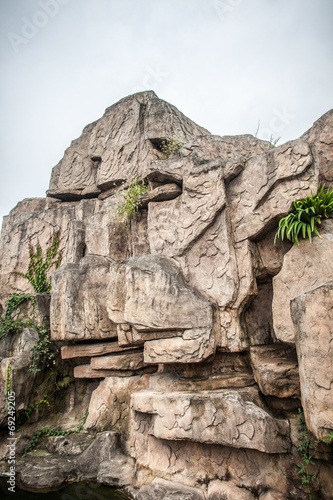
column 7, row 323
column 304, row 447
column 170, row 147
column 306, row 216
column 41, row 262
column 52, row 432
column 129, row 206
column 44, row 352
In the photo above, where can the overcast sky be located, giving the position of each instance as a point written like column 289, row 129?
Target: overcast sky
column 224, row 63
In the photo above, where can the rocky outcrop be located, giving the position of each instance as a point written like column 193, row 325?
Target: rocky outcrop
column 188, row 334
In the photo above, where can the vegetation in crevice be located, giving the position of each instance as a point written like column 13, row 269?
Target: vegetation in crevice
column 129, row 206
column 44, row 432
column 305, row 469
column 41, row 261
column 8, row 324
column 44, row 352
column 306, row 216
column 26, row 414
column 170, row 147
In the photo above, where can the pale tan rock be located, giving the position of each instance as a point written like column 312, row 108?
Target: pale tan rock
column 321, row 139
column 267, row 186
column 114, row 148
column 151, row 295
column 79, row 295
column 275, row 370
column 312, row 313
column 174, row 225
column 234, row 336
column 84, row 350
column 37, row 219
column 75, row 176
column 227, row 490
column 210, row 263
column 194, row 345
column 130, row 336
column 227, row 147
column 227, row 417
column 109, row 403
column 126, row 361
column 272, row 495
column 161, row 193
column 85, row 371
column 190, row 463
column 304, row 268
column 161, row 489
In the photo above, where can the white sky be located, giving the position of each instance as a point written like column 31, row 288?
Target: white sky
column 224, row 63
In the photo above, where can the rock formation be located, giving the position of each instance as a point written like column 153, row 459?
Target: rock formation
column 187, row 333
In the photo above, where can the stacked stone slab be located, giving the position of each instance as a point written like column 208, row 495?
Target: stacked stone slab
column 195, row 334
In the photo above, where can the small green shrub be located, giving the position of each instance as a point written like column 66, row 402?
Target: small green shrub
column 41, row 261
column 170, row 147
column 7, row 323
column 44, row 352
column 306, row 216
column 129, row 206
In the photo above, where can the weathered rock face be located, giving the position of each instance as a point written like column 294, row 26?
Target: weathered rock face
column 15, row 358
column 186, row 331
column 304, row 268
column 312, row 314
column 230, row 418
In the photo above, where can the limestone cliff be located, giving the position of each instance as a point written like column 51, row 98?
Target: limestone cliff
column 187, row 333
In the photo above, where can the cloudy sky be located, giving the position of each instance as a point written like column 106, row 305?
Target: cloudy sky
column 224, row 63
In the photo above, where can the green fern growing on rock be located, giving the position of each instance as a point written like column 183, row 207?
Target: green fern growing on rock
column 41, row 261
column 306, row 216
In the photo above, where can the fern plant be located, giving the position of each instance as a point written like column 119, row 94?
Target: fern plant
column 306, row 216
column 41, row 262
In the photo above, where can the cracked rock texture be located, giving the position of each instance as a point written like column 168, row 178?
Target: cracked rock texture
column 186, row 332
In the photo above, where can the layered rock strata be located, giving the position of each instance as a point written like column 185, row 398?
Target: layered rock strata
column 186, row 332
